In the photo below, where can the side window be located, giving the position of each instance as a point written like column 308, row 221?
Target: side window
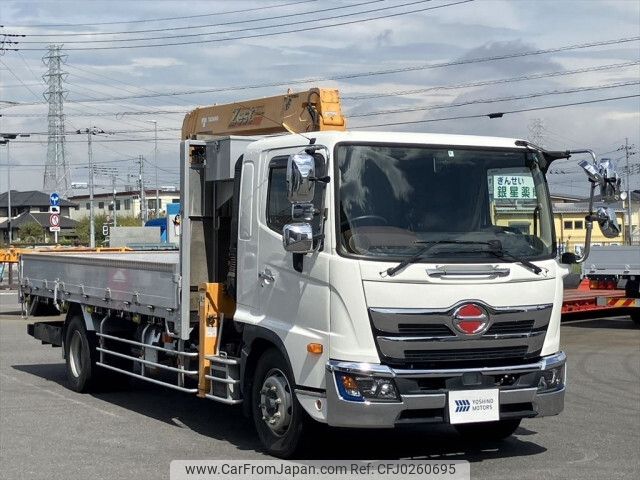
column 278, row 206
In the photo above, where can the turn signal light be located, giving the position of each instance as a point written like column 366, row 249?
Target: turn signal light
column 315, row 348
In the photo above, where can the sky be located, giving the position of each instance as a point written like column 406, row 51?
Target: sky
column 440, row 53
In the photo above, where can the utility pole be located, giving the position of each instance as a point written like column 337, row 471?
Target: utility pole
column 113, row 186
column 92, row 220
column 155, row 162
column 144, row 211
column 629, row 223
column 629, row 151
column 5, row 140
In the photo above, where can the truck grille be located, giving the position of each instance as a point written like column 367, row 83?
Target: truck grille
column 430, row 330
column 466, row 354
column 511, row 327
column 428, row 336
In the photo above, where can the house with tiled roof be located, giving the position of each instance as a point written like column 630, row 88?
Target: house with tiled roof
column 32, row 206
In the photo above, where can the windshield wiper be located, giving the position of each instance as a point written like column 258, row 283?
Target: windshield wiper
column 523, row 261
column 498, row 252
column 493, row 244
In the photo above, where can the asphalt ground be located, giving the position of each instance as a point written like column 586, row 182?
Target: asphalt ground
column 49, row 432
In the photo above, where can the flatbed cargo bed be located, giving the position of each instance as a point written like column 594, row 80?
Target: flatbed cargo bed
column 613, row 260
column 138, row 282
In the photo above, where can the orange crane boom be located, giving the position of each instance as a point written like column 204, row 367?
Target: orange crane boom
column 312, row 110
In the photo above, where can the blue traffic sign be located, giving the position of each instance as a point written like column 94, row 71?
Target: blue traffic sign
column 54, row 199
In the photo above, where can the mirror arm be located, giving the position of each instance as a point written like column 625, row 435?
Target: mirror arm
column 298, row 262
column 588, row 223
column 590, row 152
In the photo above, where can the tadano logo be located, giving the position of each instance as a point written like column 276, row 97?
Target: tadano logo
column 462, row 406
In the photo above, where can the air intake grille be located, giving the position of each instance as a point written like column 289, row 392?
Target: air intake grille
column 524, row 326
column 462, row 355
column 434, row 330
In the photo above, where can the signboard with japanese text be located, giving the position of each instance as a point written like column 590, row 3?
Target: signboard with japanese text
column 511, row 184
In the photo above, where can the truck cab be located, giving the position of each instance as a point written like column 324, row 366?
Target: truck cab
column 391, row 270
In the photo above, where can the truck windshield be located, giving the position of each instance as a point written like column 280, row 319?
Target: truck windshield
column 394, row 199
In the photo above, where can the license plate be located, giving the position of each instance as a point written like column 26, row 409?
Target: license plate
column 470, row 406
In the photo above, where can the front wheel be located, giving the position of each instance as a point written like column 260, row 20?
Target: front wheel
column 491, row 431
column 277, row 414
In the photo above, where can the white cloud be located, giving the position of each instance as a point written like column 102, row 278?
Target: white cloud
column 441, row 35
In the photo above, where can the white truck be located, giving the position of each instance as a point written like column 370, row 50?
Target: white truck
column 358, row 279
column 608, row 266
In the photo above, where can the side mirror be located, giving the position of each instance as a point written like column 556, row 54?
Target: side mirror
column 604, row 174
column 298, row 238
column 568, row 258
column 610, row 187
column 302, row 212
column 301, row 172
column 608, row 222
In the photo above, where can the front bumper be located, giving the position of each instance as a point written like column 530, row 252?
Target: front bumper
column 422, row 401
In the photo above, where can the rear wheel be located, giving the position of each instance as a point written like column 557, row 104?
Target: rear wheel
column 635, row 318
column 492, row 431
column 80, row 353
column 277, row 414
column 632, row 288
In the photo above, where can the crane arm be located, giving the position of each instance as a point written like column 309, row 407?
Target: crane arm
column 312, row 110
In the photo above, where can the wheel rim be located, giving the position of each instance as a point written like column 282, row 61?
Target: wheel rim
column 276, row 402
column 75, row 354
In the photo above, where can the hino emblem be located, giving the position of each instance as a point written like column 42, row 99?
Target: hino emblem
column 470, row 319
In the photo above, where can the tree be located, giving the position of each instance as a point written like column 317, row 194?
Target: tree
column 31, row 232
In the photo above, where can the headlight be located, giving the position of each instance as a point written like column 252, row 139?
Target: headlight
column 552, row 379
column 359, row 388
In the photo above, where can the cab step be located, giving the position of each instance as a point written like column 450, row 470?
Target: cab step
column 224, row 377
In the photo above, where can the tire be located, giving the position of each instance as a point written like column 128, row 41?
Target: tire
column 632, row 289
column 80, row 354
column 635, row 318
column 491, row 431
column 280, row 426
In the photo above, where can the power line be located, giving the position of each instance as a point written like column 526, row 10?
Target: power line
column 371, row 73
column 306, row 28
column 492, row 115
column 194, row 27
column 101, row 75
column 146, row 20
column 495, row 100
column 533, row 76
column 19, row 79
column 382, row 112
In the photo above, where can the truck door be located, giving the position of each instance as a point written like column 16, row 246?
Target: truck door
column 294, row 305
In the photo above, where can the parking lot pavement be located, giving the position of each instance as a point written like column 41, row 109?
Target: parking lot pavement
column 50, row 432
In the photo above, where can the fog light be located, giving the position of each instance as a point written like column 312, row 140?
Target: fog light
column 551, row 379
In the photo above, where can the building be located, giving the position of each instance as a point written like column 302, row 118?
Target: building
column 569, row 220
column 127, row 203
column 571, row 229
column 32, row 206
column 67, row 227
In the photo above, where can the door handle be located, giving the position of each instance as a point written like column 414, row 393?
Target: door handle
column 266, row 277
